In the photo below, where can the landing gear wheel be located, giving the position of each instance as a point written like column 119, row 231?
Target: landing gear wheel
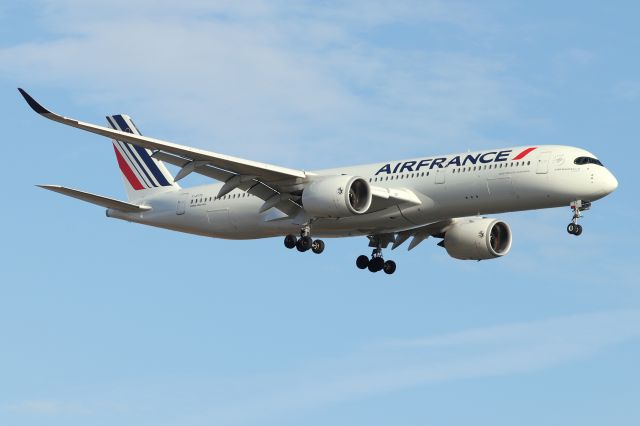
column 578, row 230
column 290, row 241
column 389, row 267
column 317, row 246
column 304, row 244
column 578, row 207
column 362, row 262
column 376, row 264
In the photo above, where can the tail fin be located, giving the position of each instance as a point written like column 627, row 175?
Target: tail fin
column 143, row 175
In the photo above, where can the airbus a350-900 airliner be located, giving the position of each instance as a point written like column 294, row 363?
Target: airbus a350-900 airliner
column 440, row 196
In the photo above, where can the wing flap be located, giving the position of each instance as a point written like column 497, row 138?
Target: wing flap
column 99, row 200
column 421, row 233
column 254, row 187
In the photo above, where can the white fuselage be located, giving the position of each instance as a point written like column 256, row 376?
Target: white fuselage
column 448, row 186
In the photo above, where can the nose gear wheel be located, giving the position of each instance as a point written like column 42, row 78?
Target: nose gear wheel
column 578, row 207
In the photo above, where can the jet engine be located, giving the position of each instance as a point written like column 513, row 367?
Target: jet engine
column 478, row 239
column 337, row 196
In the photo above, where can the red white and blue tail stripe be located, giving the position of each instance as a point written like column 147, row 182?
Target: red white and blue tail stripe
column 140, row 170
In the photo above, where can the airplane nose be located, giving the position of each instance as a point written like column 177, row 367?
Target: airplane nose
column 610, row 182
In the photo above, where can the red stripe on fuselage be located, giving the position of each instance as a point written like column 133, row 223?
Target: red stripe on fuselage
column 524, row 153
column 126, row 170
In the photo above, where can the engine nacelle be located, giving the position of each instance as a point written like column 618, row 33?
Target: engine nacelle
column 337, row 196
column 478, row 239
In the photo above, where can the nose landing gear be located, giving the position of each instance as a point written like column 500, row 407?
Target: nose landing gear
column 578, row 207
column 305, row 242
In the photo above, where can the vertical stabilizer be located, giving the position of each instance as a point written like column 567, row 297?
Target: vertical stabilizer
column 143, row 175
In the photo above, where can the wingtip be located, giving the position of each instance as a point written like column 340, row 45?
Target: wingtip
column 33, row 103
column 43, row 186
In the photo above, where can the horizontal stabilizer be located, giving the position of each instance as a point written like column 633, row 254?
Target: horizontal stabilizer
column 99, row 200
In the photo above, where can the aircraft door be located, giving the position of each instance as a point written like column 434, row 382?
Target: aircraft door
column 543, row 163
column 439, row 175
column 182, row 204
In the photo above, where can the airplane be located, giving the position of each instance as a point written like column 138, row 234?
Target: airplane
column 445, row 197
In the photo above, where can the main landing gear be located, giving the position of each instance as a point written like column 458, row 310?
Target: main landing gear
column 578, row 207
column 376, row 263
column 304, row 243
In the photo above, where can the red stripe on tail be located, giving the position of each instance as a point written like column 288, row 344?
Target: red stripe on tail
column 524, row 153
column 126, row 170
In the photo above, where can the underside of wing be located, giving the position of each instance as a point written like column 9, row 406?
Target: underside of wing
column 418, row 235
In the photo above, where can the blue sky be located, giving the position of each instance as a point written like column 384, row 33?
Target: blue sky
column 104, row 322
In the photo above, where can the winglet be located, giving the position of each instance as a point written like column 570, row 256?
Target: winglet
column 33, row 103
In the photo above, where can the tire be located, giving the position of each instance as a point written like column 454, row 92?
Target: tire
column 376, row 264
column 571, row 228
column 317, row 246
column 290, row 241
column 578, row 230
column 304, row 244
column 389, row 267
column 362, row 262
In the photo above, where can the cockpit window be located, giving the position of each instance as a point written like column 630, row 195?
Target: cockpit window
column 586, row 160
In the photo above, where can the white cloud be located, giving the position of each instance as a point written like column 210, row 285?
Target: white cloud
column 281, row 81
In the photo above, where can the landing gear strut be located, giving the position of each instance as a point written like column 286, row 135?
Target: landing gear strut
column 578, row 207
column 305, row 242
column 376, row 263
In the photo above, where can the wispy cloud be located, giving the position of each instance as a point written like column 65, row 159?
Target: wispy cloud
column 377, row 368
column 389, row 366
column 627, row 90
column 279, row 81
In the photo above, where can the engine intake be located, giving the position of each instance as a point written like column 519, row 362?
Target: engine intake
column 478, row 239
column 337, row 196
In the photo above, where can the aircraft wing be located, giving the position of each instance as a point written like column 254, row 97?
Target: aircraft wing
column 419, row 234
column 266, row 181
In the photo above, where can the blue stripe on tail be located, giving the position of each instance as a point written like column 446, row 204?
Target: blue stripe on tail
column 143, row 153
column 128, row 150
